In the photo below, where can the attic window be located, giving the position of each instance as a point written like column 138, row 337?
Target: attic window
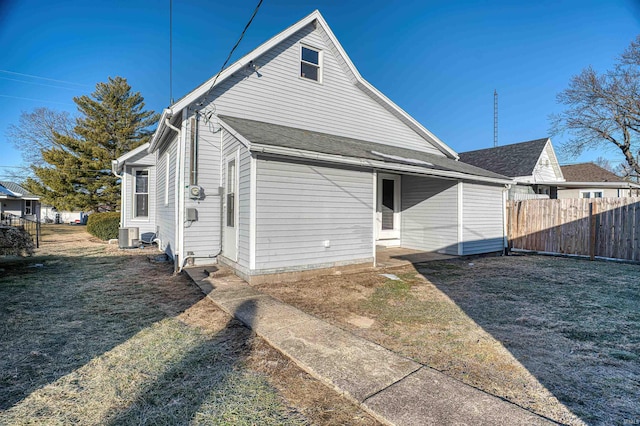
column 310, row 60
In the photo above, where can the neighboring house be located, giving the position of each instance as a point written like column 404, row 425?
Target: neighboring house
column 588, row 180
column 289, row 160
column 532, row 164
column 49, row 214
column 138, row 190
column 17, row 201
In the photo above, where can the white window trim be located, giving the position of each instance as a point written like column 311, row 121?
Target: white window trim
column 135, row 218
column 591, row 193
column 319, row 65
column 28, row 204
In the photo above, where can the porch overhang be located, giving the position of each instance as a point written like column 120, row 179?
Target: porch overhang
column 374, row 164
column 281, row 141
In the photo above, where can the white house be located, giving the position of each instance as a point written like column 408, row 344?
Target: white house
column 289, row 160
column 18, row 202
column 532, row 164
column 137, row 170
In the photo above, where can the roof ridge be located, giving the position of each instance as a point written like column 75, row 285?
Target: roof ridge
column 367, row 88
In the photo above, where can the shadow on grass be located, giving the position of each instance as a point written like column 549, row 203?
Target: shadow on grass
column 573, row 324
column 60, row 312
column 209, row 384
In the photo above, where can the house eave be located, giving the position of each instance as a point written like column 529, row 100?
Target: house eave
column 118, row 163
column 373, row 164
column 614, row 185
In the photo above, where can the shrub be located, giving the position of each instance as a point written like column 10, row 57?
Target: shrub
column 104, row 225
column 16, row 241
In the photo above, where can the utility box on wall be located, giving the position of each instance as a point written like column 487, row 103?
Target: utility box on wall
column 192, row 214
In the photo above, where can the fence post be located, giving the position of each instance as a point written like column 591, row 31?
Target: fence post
column 592, row 231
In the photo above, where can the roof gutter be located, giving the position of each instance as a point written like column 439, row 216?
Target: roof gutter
column 377, row 164
column 621, row 184
column 157, row 135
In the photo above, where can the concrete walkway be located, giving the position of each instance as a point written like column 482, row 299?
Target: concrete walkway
column 394, row 389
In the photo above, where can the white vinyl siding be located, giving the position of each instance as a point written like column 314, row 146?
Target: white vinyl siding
column 230, row 146
column 145, row 224
column 483, row 226
column 202, row 237
column 337, row 106
column 244, row 215
column 166, row 212
column 429, row 214
column 606, row 192
column 312, row 216
column 547, row 169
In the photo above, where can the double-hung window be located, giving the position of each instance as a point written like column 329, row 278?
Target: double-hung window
column 28, row 209
column 310, row 63
column 141, row 194
column 590, row 194
column 231, row 193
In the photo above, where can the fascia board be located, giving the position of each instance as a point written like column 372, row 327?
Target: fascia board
column 310, row 155
column 233, row 68
column 593, row 184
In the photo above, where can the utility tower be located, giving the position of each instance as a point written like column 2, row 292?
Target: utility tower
column 495, row 118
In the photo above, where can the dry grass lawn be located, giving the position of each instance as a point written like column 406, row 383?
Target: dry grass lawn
column 93, row 335
column 559, row 337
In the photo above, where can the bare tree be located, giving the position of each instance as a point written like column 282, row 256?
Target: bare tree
column 603, row 110
column 604, row 163
column 34, row 133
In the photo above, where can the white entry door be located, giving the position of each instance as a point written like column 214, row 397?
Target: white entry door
column 230, row 219
column 388, row 207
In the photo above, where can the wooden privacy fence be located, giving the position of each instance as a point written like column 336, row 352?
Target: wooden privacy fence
column 594, row 227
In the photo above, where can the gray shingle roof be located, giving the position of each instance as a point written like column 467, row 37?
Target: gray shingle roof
column 588, row 172
column 518, row 159
column 17, row 189
column 258, row 132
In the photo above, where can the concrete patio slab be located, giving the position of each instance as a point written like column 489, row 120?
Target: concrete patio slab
column 428, row 397
column 355, row 367
column 394, row 389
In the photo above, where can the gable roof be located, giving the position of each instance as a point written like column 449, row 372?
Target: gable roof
column 260, row 136
column 588, row 172
column 12, row 189
column 118, row 163
column 366, row 87
column 518, row 159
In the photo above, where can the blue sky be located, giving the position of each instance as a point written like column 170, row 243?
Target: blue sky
column 438, row 60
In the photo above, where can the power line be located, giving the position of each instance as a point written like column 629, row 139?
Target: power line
column 39, row 84
column 246, row 27
column 44, row 78
column 36, row 100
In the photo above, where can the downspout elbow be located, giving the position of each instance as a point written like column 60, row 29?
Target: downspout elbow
column 114, row 165
column 171, row 126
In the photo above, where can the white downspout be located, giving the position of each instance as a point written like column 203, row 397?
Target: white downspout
column 505, row 219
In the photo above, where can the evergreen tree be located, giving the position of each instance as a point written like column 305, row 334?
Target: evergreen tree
column 77, row 173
